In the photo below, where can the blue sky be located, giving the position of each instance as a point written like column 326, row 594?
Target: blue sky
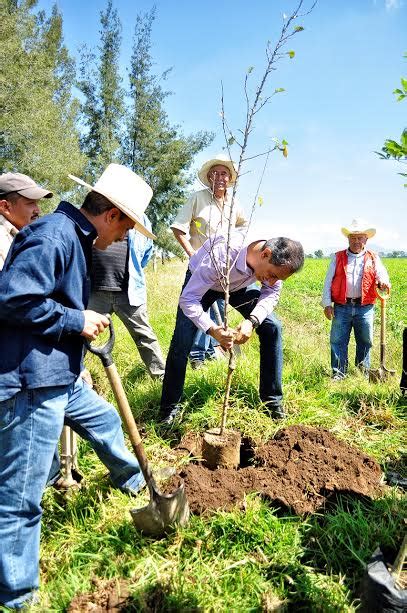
column 337, row 108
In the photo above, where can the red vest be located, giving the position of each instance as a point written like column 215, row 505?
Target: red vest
column 338, row 287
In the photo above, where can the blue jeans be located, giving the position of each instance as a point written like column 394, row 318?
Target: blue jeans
column 271, row 351
column 30, row 426
column 346, row 317
column 204, row 344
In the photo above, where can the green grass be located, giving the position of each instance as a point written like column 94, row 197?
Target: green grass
column 251, row 560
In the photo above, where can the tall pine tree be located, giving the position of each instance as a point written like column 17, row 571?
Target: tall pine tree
column 103, row 107
column 153, row 147
column 38, row 134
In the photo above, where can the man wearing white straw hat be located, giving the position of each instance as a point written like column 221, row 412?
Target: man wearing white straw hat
column 206, row 215
column 349, row 295
column 44, row 289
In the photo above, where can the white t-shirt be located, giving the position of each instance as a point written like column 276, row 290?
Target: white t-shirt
column 203, row 217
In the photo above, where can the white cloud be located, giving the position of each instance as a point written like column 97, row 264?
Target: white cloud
column 392, row 5
column 325, row 236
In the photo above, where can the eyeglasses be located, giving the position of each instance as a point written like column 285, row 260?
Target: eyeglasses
column 216, row 173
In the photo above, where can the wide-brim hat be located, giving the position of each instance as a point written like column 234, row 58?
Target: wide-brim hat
column 219, row 159
column 358, row 227
column 125, row 190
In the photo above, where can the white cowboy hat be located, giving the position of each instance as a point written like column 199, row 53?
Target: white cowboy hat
column 219, row 159
column 358, row 227
column 126, row 190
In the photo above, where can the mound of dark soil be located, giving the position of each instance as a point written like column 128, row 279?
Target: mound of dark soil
column 299, row 469
column 108, row 595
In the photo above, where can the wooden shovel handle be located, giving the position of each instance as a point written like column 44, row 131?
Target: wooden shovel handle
column 383, row 294
column 128, row 419
column 105, row 354
column 399, row 561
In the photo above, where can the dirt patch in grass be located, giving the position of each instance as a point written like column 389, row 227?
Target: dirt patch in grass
column 113, row 595
column 108, row 595
column 300, row 469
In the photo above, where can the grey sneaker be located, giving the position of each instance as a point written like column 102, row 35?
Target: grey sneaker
column 196, row 364
column 133, row 490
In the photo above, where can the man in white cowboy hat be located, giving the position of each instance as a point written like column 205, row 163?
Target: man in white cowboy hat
column 349, row 295
column 19, row 197
column 205, row 215
column 44, row 320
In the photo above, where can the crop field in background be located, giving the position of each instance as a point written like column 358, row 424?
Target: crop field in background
column 247, row 560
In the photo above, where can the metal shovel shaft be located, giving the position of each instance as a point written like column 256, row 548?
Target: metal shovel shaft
column 69, row 454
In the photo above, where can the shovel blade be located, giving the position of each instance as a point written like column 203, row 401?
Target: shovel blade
column 162, row 513
column 380, row 374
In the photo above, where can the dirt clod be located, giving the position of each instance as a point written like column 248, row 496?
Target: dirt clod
column 221, row 450
column 299, row 469
column 108, row 595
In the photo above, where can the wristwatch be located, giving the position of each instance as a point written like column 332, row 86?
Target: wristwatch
column 254, row 320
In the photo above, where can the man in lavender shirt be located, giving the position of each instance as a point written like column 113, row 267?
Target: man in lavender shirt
column 268, row 261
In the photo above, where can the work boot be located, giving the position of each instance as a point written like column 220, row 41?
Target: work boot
column 196, row 364
column 276, row 411
column 62, row 484
column 169, row 418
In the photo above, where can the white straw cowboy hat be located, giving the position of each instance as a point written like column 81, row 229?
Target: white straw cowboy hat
column 126, row 190
column 219, row 159
column 358, row 227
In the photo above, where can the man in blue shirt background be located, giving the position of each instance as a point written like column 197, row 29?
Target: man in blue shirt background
column 119, row 286
column 44, row 291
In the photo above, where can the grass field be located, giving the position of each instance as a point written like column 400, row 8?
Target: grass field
column 251, row 560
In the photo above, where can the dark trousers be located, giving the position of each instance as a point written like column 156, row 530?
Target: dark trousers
column 271, row 350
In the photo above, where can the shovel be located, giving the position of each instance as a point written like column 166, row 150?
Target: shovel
column 69, row 460
column 164, row 510
column 382, row 373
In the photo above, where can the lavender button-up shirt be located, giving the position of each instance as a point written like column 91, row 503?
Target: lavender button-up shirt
column 208, row 267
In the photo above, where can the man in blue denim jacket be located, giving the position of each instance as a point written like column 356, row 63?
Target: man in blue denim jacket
column 44, row 290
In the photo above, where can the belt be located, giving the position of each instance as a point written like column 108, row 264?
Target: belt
column 354, row 300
